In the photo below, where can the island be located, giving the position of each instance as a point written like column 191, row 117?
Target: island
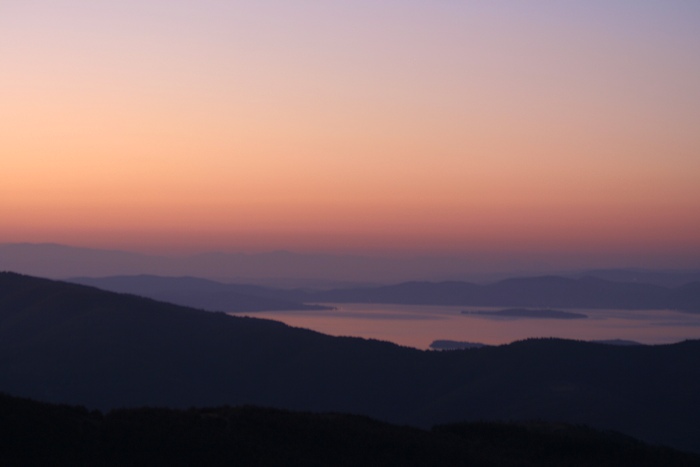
column 545, row 313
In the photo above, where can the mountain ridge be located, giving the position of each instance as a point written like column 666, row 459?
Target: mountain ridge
column 537, row 292
column 540, row 291
column 69, row 343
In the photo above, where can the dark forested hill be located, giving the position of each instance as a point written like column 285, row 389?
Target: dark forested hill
column 33, row 433
column 70, row 343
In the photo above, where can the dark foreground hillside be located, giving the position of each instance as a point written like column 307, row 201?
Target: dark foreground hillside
column 33, row 433
column 68, row 343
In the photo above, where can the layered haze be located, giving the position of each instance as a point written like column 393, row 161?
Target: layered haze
column 551, row 132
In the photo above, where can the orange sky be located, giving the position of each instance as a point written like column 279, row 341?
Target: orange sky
column 352, row 126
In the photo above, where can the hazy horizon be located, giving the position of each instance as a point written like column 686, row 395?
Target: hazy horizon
column 299, row 269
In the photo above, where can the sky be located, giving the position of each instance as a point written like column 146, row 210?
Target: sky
column 548, row 129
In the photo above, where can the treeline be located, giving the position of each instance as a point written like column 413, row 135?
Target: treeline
column 33, row 433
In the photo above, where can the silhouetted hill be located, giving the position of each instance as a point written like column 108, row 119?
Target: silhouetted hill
column 33, row 433
column 539, row 292
column 198, row 293
column 69, row 343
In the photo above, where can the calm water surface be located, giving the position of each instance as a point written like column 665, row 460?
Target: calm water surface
column 419, row 325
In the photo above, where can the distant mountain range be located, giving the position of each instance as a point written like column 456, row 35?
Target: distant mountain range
column 642, row 276
column 69, row 343
column 536, row 292
column 199, row 293
column 277, row 268
column 290, row 270
column 539, row 292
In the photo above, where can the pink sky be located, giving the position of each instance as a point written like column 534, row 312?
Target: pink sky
column 445, row 127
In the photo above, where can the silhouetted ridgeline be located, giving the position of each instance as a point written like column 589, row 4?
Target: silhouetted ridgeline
column 74, row 344
column 33, row 433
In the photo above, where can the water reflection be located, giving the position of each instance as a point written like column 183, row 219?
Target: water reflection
column 419, row 325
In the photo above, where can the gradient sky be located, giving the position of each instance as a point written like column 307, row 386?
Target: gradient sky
column 555, row 128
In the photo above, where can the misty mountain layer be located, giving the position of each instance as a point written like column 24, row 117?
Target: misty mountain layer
column 538, row 292
column 199, row 293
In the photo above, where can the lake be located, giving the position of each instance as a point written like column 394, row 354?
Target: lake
column 419, row 325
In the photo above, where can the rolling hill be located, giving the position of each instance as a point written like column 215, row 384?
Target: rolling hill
column 68, row 343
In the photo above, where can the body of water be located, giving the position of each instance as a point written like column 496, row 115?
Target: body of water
column 419, row 325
